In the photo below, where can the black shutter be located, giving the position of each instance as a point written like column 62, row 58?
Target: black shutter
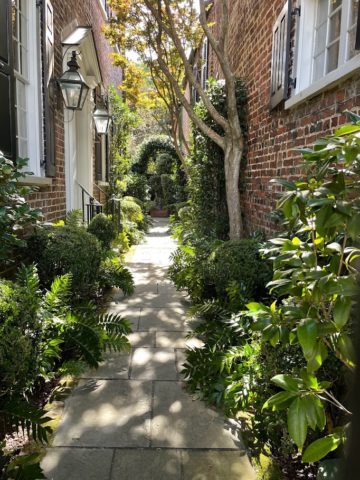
column 98, row 157
column 49, row 100
column 357, row 43
column 280, row 57
column 7, row 100
column 107, row 165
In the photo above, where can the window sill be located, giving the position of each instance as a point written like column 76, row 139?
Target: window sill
column 101, row 183
column 33, row 181
column 333, row 78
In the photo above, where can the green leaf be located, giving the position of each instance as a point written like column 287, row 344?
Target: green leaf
column 341, row 311
column 317, row 358
column 280, row 400
column 320, row 448
column 346, row 349
column 307, row 334
column 291, row 384
column 315, row 413
column 297, row 422
column 346, row 130
column 354, row 226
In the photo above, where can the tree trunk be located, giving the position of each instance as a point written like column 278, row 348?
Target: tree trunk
column 232, row 160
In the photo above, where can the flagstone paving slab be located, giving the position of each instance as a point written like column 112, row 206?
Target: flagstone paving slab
column 142, row 339
column 216, row 466
column 176, row 340
column 180, row 421
column 107, row 413
column 153, row 364
column 146, row 465
column 77, row 464
column 115, row 365
column 163, row 319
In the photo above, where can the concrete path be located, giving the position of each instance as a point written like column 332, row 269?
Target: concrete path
column 132, row 419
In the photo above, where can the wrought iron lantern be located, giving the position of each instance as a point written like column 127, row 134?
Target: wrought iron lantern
column 102, row 120
column 73, row 87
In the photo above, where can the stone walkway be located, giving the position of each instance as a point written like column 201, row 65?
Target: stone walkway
column 132, row 419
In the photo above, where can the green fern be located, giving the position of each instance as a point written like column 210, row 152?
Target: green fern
column 58, row 298
column 21, row 416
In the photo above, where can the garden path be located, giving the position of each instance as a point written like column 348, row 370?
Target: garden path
column 132, row 419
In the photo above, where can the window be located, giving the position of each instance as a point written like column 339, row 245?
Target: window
column 326, row 49
column 25, row 25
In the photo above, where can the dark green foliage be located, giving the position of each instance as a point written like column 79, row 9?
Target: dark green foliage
column 206, row 187
column 149, row 150
column 168, row 186
column 240, row 261
column 61, row 250
column 138, row 187
column 104, row 230
column 15, row 214
column 156, row 191
column 113, row 274
column 165, row 163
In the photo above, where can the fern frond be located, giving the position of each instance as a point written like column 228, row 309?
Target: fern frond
column 208, row 309
column 115, row 323
column 58, row 297
column 21, row 416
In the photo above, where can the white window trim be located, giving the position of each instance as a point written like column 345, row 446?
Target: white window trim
column 304, row 66
column 33, row 97
column 103, row 11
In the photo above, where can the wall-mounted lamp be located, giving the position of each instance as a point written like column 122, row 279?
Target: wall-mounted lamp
column 73, row 87
column 102, row 120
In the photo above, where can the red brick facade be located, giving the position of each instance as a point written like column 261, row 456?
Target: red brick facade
column 52, row 199
column 273, row 135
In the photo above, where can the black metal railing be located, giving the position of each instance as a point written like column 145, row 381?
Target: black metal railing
column 90, row 206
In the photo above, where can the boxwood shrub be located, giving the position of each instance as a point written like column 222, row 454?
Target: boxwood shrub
column 240, row 261
column 104, row 230
column 60, row 250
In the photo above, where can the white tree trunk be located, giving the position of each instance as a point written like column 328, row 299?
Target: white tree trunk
column 233, row 153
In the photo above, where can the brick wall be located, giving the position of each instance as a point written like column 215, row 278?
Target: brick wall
column 52, row 200
column 274, row 135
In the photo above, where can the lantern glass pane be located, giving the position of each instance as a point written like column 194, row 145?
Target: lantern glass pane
column 71, row 93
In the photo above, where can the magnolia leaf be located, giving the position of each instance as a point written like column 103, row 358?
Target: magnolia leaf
column 297, row 422
column 341, row 311
column 291, row 384
column 317, row 358
column 279, row 401
column 320, row 448
column 307, row 334
column 347, row 129
column 346, row 349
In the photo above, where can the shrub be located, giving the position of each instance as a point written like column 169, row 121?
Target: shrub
column 131, row 210
column 240, row 261
column 138, row 187
column 15, row 213
column 104, row 230
column 113, row 274
column 165, row 164
column 315, row 280
column 61, row 250
column 168, row 187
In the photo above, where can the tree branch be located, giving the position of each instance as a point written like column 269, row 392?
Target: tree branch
column 172, row 33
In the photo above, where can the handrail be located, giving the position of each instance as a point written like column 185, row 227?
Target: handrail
column 92, row 203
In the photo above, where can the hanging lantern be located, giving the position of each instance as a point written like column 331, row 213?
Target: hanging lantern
column 102, row 120
column 73, row 87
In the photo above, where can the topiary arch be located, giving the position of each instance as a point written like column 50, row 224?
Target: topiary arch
column 149, row 149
